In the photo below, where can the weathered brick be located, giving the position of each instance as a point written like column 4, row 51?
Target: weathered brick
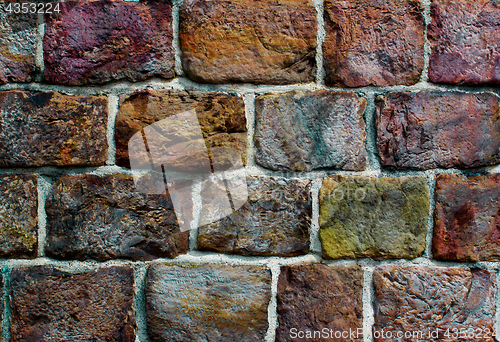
column 373, row 42
column 51, row 305
column 274, row 220
column 18, row 216
column 427, row 130
column 48, row 128
column 17, row 46
column 465, row 42
column 221, row 118
column 303, row 131
column 319, row 298
column 91, row 42
column 207, row 302
column 421, row 300
column 467, row 218
column 270, row 42
column 379, row 218
column 105, row 217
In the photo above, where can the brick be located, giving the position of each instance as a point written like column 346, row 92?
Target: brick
column 48, row 128
column 51, row 305
column 105, row 217
column 275, row 220
column 319, row 298
column 467, row 218
column 428, row 130
column 421, row 300
column 18, row 46
column 304, row 131
column 91, row 42
column 221, row 118
column 207, row 303
column 378, row 218
column 269, row 42
column 465, row 42
column 18, row 216
column 373, row 42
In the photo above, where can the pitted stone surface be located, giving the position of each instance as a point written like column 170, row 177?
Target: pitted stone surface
column 303, row 131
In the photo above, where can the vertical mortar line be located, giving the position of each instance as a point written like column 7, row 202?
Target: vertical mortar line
column 320, row 38
column 368, row 296
column 272, row 314
column 496, row 327
column 110, row 129
column 424, row 77
column 140, row 302
column 373, row 162
column 44, row 186
column 249, row 100
column 431, row 184
column 39, row 62
column 197, row 207
column 175, row 41
column 314, row 233
column 7, row 312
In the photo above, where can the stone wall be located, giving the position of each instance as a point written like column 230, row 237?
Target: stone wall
column 370, row 135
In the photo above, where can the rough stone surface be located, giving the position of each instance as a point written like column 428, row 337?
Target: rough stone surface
column 275, row 220
column 101, row 218
column 421, row 300
column 221, row 119
column 373, row 42
column 18, row 216
column 92, row 42
column 17, row 46
column 48, row 128
column 427, row 130
column 51, row 305
column 467, row 218
column 379, row 218
column 303, row 131
column 465, row 42
column 207, row 303
column 317, row 297
column 270, row 42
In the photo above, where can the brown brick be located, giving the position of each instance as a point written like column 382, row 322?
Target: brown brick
column 379, row 218
column 91, row 42
column 17, row 45
column 18, row 216
column 221, row 118
column 465, row 42
column 421, row 300
column 467, row 218
column 48, row 128
column 51, row 305
column 207, row 303
column 373, row 42
column 270, row 42
column 274, row 220
column 105, row 217
column 428, row 130
column 303, row 131
column 320, row 298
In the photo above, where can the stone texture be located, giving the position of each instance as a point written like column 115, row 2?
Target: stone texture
column 373, row 42
column 51, row 305
column 275, row 220
column 465, row 42
column 18, row 216
column 379, row 218
column 428, row 130
column 48, row 128
column 270, row 42
column 467, row 218
column 91, row 42
column 105, row 217
column 221, row 119
column 303, row 131
column 317, row 297
column 207, row 303
column 17, row 46
column 422, row 300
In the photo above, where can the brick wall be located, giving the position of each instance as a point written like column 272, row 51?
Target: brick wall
column 370, row 134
